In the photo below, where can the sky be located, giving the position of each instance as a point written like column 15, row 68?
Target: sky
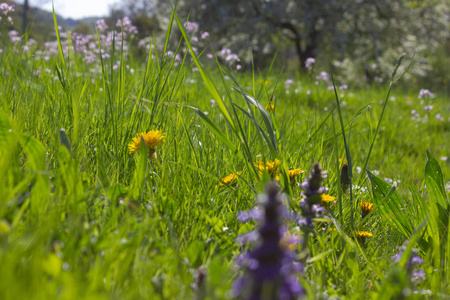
column 77, row 9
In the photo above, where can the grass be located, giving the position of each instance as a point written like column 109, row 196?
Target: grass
column 81, row 218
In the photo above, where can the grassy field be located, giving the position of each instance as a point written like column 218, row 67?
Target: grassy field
column 83, row 218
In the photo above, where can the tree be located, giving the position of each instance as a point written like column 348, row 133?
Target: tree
column 142, row 14
column 84, row 28
column 359, row 31
column 24, row 16
column 25, row 11
column 134, row 8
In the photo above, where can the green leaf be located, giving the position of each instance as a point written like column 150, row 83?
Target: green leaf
column 397, row 65
column 390, row 205
column 64, row 139
column 36, row 152
column 209, row 84
column 272, row 142
column 216, row 130
column 319, row 256
column 116, row 190
column 140, row 172
column 439, row 214
column 435, row 182
column 194, row 252
column 420, row 207
column 58, row 38
column 36, row 156
column 6, row 131
column 261, row 131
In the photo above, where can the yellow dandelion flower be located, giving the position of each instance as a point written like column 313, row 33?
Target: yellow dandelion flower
column 270, row 166
column 152, row 139
column 294, row 172
column 270, row 107
column 230, row 179
column 366, row 206
column 327, row 198
column 344, row 160
column 363, row 234
column 266, row 82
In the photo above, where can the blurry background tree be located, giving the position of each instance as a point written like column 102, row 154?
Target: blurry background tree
column 25, row 11
column 84, row 28
column 366, row 35
column 143, row 13
column 363, row 37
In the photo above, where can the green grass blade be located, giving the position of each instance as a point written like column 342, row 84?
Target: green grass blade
column 390, row 205
column 435, row 182
column 216, row 130
column 266, row 119
column 58, row 38
column 209, row 84
column 347, row 151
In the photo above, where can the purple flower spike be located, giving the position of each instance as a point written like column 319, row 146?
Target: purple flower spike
column 311, row 207
column 269, row 269
column 416, row 260
column 419, row 273
column 253, row 214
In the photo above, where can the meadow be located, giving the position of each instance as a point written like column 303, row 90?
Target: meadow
column 88, row 212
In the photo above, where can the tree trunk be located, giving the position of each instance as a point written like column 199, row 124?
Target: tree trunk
column 297, row 40
column 24, row 16
column 300, row 54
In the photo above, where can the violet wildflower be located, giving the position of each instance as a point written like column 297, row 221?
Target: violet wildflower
column 191, row 26
column 269, row 269
column 5, row 9
column 225, row 52
column 288, row 83
column 424, row 93
column 412, row 265
column 232, row 57
column 427, row 108
column 324, row 76
column 312, row 195
column 101, row 25
column 309, row 63
column 343, row 87
column 128, row 27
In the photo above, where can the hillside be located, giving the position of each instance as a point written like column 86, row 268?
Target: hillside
column 41, row 22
